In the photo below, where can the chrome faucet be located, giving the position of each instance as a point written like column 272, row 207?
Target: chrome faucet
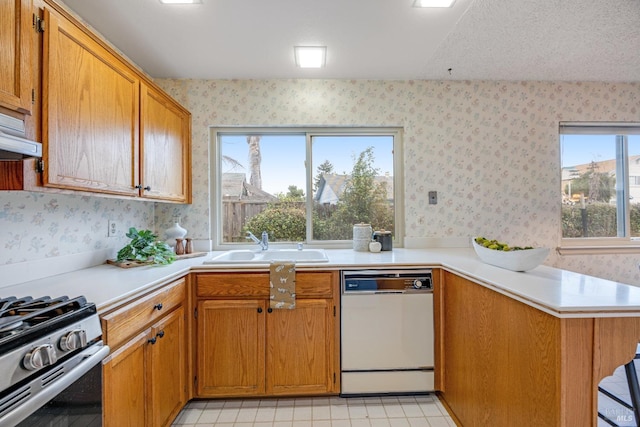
column 264, row 242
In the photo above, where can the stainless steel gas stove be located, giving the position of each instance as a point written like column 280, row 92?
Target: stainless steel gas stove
column 50, row 353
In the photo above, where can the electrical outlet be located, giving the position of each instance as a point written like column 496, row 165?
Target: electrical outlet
column 113, row 228
column 433, row 197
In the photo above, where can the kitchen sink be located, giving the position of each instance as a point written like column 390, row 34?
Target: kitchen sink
column 245, row 256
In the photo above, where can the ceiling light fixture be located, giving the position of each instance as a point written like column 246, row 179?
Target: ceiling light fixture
column 433, row 3
column 180, row 1
column 310, row 56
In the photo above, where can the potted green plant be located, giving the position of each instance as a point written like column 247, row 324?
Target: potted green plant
column 146, row 248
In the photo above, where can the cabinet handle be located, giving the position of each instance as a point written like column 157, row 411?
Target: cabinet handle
column 158, row 306
column 147, row 188
column 270, row 310
column 259, row 309
column 160, row 334
column 152, row 340
column 138, row 187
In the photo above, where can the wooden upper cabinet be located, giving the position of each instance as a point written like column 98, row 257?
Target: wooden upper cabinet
column 106, row 127
column 165, row 130
column 90, row 113
column 16, row 44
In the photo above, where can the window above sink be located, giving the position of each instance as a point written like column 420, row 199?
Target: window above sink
column 305, row 185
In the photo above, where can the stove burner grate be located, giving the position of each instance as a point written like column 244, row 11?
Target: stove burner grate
column 22, row 319
column 10, row 323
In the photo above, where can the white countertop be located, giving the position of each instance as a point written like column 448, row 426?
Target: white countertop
column 558, row 292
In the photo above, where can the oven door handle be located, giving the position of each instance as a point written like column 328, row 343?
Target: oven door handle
column 90, row 358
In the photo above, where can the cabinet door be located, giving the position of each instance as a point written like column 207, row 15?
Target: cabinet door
column 16, row 41
column 167, row 369
column 165, row 130
column 300, row 348
column 90, row 113
column 230, row 349
column 124, row 384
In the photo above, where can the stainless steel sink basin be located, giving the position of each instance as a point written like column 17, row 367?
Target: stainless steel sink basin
column 245, row 256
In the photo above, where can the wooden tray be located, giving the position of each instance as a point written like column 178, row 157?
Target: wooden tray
column 132, row 264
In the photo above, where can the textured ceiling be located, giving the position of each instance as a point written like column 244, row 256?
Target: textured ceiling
column 579, row 40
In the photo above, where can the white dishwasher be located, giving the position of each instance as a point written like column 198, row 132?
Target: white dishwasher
column 387, row 336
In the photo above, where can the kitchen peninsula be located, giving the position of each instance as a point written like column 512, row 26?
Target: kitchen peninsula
column 511, row 348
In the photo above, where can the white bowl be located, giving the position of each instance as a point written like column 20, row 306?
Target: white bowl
column 521, row 260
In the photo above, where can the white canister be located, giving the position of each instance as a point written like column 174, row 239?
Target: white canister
column 361, row 237
column 175, row 232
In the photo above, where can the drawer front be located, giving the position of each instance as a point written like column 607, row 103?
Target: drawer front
column 256, row 285
column 123, row 323
column 316, row 284
column 233, row 285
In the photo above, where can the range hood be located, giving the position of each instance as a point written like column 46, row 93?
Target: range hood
column 13, row 141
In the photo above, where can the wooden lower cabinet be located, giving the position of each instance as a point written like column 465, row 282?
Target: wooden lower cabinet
column 244, row 348
column 145, row 376
column 230, row 343
column 506, row 363
column 124, row 379
column 166, row 369
column 144, row 380
column 299, row 349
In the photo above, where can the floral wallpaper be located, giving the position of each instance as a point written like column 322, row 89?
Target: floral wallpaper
column 39, row 225
column 490, row 149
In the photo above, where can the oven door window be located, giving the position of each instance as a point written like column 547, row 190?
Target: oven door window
column 80, row 404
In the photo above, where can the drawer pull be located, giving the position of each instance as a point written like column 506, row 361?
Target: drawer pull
column 259, row 309
column 160, row 334
column 158, row 306
column 270, row 310
column 152, row 340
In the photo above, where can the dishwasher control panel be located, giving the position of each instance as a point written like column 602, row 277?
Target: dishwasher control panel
column 386, row 281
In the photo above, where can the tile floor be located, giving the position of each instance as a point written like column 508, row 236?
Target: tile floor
column 402, row 411
column 617, row 385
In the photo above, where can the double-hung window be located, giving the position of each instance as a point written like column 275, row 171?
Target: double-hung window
column 600, row 186
column 305, row 185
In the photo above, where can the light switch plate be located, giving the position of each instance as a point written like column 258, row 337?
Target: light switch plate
column 433, row 197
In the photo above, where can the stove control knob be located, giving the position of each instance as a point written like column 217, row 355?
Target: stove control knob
column 417, row 283
column 39, row 357
column 73, row 340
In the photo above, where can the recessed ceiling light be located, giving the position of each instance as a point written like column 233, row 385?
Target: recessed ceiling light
column 310, row 56
column 180, row 1
column 433, row 3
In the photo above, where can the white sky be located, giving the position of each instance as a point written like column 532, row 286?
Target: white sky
column 583, row 149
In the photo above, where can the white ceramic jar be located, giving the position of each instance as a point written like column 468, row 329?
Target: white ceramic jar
column 175, row 232
column 361, row 237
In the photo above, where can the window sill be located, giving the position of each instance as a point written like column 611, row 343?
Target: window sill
column 598, row 250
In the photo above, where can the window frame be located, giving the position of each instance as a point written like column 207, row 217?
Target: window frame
column 215, row 158
column 603, row 245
